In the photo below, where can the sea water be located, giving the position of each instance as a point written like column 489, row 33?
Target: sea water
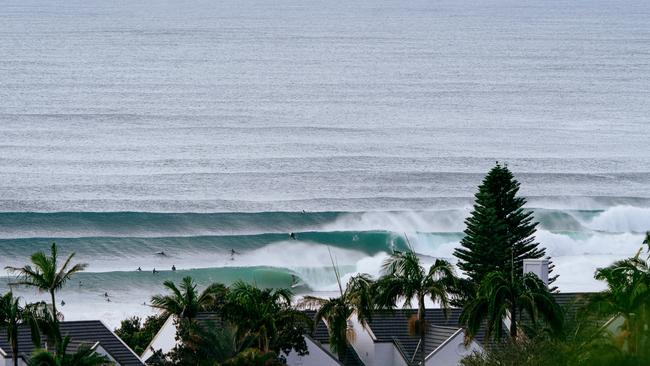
column 195, row 128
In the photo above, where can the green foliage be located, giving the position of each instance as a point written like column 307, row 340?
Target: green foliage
column 263, row 318
column 628, row 297
column 498, row 297
column 42, row 322
column 581, row 344
column 83, row 356
column 185, row 301
column 45, row 275
column 137, row 334
column 206, row 344
column 356, row 298
column 11, row 316
column 267, row 315
column 405, row 278
column 254, row 357
column 499, row 231
column 521, row 353
column 610, row 328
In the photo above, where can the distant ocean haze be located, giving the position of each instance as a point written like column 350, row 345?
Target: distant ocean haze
column 197, row 127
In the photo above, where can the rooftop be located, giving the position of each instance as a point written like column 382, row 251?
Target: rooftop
column 80, row 332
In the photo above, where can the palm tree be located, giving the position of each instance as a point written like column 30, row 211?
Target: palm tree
column 355, row 299
column 84, row 356
column 627, row 295
column 41, row 322
column 207, row 343
column 45, row 275
column 405, row 278
column 266, row 314
column 500, row 295
column 11, row 316
column 185, row 302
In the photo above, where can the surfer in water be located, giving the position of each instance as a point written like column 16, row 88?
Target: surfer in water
column 293, row 236
column 161, row 253
column 139, row 269
column 154, row 271
column 105, row 294
column 173, row 267
column 232, row 254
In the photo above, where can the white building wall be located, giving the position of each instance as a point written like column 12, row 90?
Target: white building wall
column 100, row 350
column 164, row 340
column 386, row 354
column 316, row 356
column 452, row 351
column 363, row 342
column 8, row 361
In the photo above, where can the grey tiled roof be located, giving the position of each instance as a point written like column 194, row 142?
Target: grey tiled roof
column 569, row 302
column 392, row 326
column 320, row 332
column 437, row 335
column 87, row 332
column 321, row 335
column 208, row 319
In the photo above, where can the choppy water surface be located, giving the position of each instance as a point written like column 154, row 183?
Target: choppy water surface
column 196, row 127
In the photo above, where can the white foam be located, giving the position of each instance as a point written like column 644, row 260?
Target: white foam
column 620, row 219
column 402, row 221
column 615, row 245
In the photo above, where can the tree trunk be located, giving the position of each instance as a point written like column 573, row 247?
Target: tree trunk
column 342, row 348
column 56, row 319
column 56, row 323
column 423, row 329
column 14, row 348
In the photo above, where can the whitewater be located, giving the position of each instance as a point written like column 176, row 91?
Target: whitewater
column 196, row 127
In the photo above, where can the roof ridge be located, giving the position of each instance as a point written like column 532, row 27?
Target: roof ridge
column 445, row 327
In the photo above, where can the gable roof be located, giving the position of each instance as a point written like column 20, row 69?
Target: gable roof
column 88, row 332
column 570, row 304
column 437, row 335
column 321, row 334
column 392, row 326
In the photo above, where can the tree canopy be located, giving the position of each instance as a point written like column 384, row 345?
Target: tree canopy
column 500, row 232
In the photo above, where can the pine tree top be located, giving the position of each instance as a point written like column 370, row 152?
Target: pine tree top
column 499, row 230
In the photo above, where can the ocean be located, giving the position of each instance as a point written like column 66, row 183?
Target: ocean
column 196, row 127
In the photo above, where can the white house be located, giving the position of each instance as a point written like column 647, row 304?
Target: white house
column 386, row 342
